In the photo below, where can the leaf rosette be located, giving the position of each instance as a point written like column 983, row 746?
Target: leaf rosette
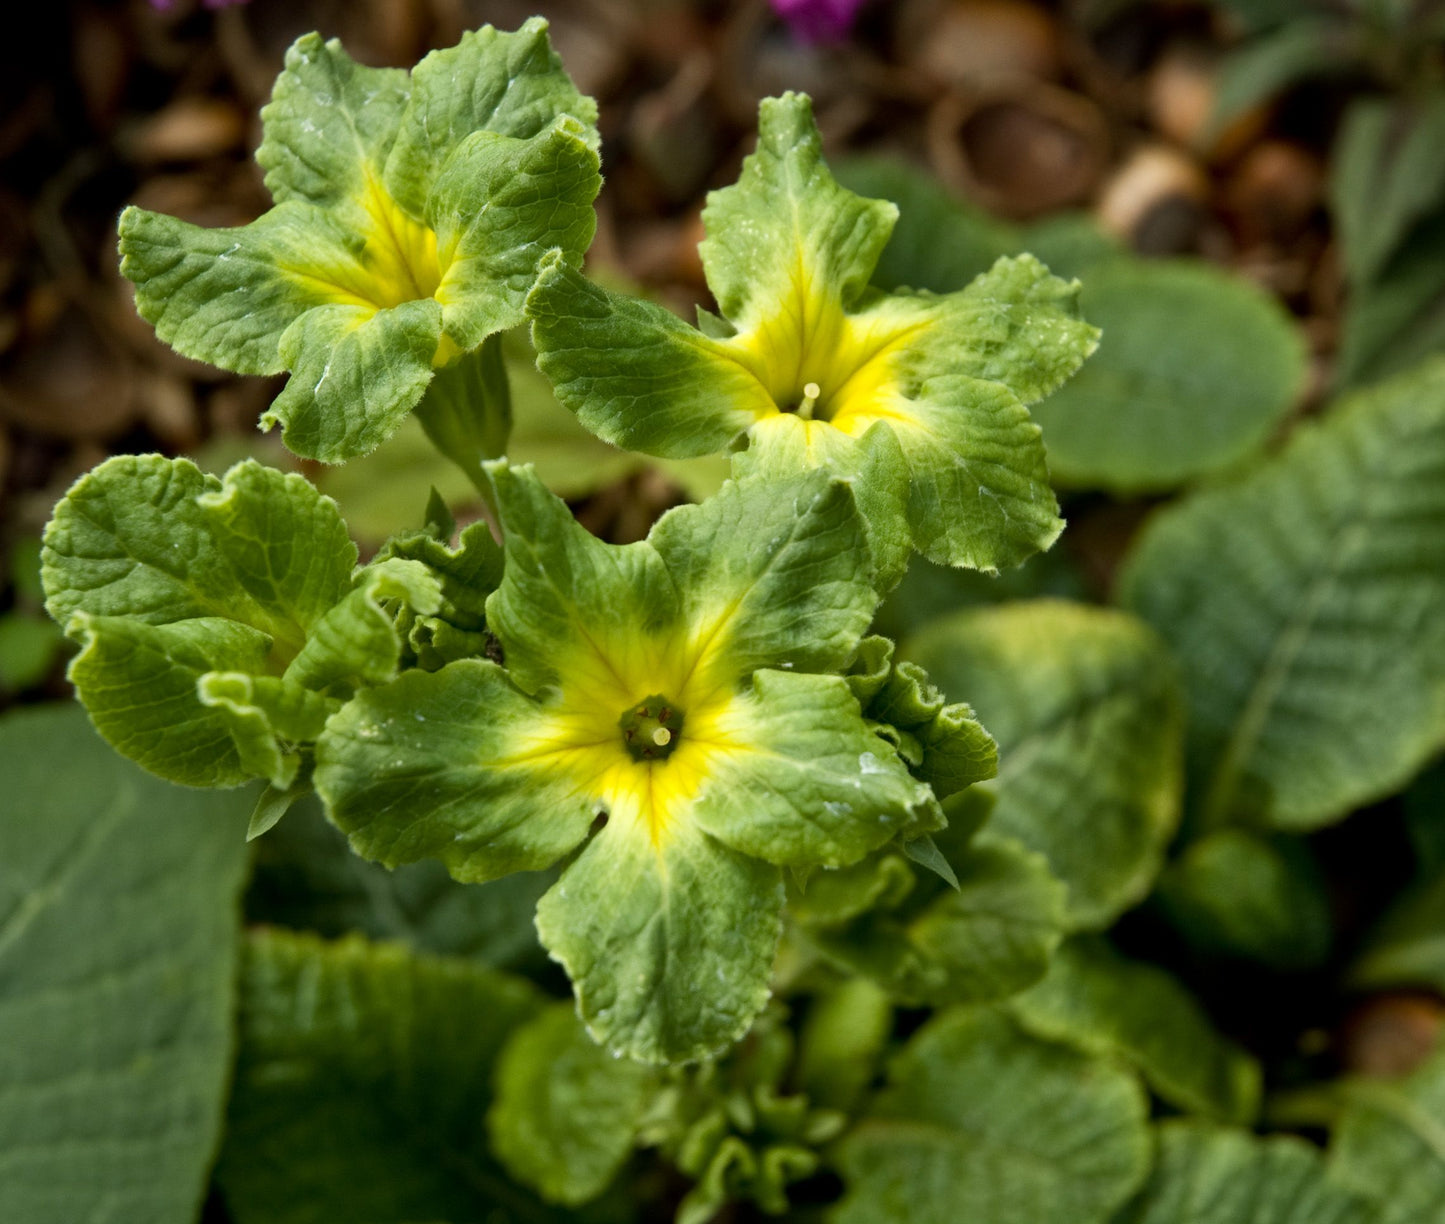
column 919, row 398
column 411, row 212
column 679, row 687
column 222, row 621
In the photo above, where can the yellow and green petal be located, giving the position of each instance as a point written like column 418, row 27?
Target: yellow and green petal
column 670, row 950
column 435, row 765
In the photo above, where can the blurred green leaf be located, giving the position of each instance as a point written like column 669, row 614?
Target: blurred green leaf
column 1084, row 706
column 566, row 1113
column 1101, row 1003
column 118, row 925
column 29, row 648
column 1195, row 369
column 1387, row 176
column 363, row 1083
column 1389, row 1145
column 1243, row 895
column 306, row 877
column 1266, row 66
column 984, row 1124
column 1209, row 1175
column 1305, row 603
column 939, row 242
column 984, row 940
column 1397, row 319
column 1407, row 947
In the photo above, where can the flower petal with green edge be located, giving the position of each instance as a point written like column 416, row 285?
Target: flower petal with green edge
column 804, row 781
column 759, row 575
column 537, row 198
column 430, row 766
column 355, row 374
column 669, row 948
column 788, row 256
column 513, row 84
column 329, row 125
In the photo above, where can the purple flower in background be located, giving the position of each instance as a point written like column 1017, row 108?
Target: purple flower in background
column 210, row 4
column 818, row 21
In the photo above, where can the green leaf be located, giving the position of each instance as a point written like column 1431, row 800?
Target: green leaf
column 1243, row 895
column 512, row 84
column 363, row 1083
column 1388, row 1149
column 307, row 878
column 984, row 1124
column 939, row 242
column 356, row 642
column 158, row 541
column 1102, row 1004
column 1209, row 1175
column 1084, row 706
column 1396, row 320
column 1196, row 369
column 29, row 648
column 118, row 926
column 1388, row 176
column 329, row 125
column 188, row 594
column 985, row 940
column 669, row 947
column 1310, row 645
column 1273, row 62
column 950, row 748
column 1407, row 948
column 843, row 1037
column 566, row 1113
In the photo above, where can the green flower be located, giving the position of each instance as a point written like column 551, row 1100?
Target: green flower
column 411, row 213
column 918, row 398
column 679, row 688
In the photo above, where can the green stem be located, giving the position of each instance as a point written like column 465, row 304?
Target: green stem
column 467, row 414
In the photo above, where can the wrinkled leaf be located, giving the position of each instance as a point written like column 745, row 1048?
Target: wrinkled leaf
column 1305, row 604
column 984, row 1124
column 1084, row 707
column 1096, row 1000
column 363, row 1083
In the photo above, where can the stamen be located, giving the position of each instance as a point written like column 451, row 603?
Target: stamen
column 811, row 392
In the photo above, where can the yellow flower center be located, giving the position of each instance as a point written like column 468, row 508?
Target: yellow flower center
column 646, row 780
column 815, row 359
column 400, row 262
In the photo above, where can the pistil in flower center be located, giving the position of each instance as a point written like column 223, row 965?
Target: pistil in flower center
column 651, row 729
